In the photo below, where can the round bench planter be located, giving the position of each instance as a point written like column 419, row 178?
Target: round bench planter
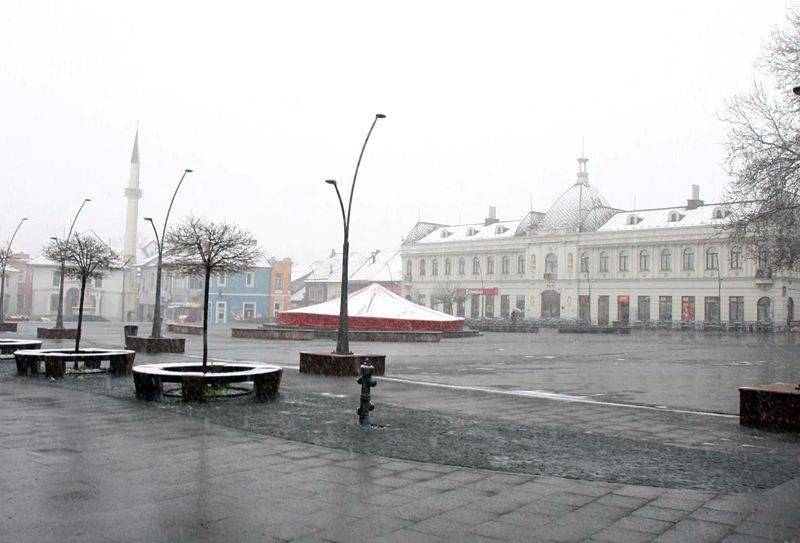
column 120, row 362
column 149, row 378
column 9, row 346
column 142, row 344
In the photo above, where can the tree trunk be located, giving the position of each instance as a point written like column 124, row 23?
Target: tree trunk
column 343, row 338
column 3, row 294
column 60, row 314
column 205, row 317
column 80, row 316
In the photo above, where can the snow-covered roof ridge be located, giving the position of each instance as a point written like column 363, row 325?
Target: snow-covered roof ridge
column 716, row 214
column 473, row 231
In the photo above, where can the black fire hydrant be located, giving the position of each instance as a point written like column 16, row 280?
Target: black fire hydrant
column 367, row 382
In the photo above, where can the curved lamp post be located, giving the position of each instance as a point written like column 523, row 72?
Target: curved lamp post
column 156, row 331
column 3, row 272
column 60, row 315
column 342, row 338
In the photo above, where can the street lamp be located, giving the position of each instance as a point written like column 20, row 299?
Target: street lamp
column 6, row 257
column 156, row 331
column 60, row 315
column 342, row 338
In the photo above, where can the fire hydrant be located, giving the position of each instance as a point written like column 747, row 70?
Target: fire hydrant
column 367, row 382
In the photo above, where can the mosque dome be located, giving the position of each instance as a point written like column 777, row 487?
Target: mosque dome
column 580, row 207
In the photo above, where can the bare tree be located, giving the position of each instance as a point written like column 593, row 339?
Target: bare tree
column 763, row 154
column 197, row 246
column 85, row 257
column 449, row 293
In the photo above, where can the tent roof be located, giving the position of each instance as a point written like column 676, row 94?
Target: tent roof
column 379, row 302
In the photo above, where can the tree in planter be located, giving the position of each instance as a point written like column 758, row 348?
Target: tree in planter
column 450, row 294
column 763, row 154
column 85, row 257
column 6, row 255
column 197, row 246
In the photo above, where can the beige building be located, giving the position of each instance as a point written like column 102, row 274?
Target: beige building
column 585, row 259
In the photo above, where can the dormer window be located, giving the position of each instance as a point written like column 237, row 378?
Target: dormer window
column 719, row 213
column 674, row 216
column 634, row 219
column 445, row 233
column 499, row 229
column 471, row 231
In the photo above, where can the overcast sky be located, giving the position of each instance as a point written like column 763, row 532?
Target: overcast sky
column 486, row 104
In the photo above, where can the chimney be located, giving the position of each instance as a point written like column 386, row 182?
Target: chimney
column 694, row 202
column 375, row 254
column 333, row 253
column 492, row 218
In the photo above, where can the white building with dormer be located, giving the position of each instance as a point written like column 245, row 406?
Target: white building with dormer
column 586, row 260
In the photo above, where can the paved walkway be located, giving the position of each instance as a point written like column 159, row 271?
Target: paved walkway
column 76, row 466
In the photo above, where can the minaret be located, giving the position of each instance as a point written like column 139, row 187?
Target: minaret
column 132, row 195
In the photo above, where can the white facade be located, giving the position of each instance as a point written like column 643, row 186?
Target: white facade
column 535, row 265
column 104, row 298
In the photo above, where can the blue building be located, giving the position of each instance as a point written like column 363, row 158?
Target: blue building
column 242, row 296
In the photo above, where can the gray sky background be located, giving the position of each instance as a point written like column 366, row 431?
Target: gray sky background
column 487, row 103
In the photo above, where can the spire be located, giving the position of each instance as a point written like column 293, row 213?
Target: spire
column 135, row 153
column 583, row 175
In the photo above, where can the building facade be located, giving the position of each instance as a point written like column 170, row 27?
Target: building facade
column 241, row 296
column 104, row 296
column 586, row 260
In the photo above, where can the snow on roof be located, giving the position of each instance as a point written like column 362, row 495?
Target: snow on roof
column 373, row 266
column 468, row 232
column 378, row 302
column 299, row 295
column 669, row 217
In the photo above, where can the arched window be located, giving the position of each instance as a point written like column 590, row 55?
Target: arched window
column 521, row 264
column 422, row 267
column 674, row 216
column 550, row 263
column 462, row 264
column 435, row 267
column 736, row 258
column 533, row 263
column 688, row 259
column 448, row 267
column 490, row 265
column 633, row 219
column 476, row 266
column 623, row 261
column 712, row 258
column 505, row 266
column 666, row 260
column 603, row 261
column 569, row 263
column 644, row 260
column 584, row 262
column 408, row 270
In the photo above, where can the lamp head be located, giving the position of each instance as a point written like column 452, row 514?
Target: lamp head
column 331, row 181
column 380, row 115
column 149, row 219
column 53, row 238
column 87, row 199
column 187, row 170
column 24, row 219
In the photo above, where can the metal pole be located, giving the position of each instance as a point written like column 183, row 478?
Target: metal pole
column 367, row 382
column 342, row 337
column 60, row 315
column 156, row 331
column 6, row 257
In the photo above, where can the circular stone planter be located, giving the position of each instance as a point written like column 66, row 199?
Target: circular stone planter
column 120, row 362
column 142, row 344
column 149, row 378
column 9, row 346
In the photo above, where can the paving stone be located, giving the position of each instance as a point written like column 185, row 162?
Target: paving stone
column 505, row 532
column 643, row 524
column 694, row 530
column 660, row 513
column 715, row 515
column 615, row 534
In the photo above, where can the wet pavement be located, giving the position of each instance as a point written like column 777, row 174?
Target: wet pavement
column 83, row 460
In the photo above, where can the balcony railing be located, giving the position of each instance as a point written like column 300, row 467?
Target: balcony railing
column 550, row 276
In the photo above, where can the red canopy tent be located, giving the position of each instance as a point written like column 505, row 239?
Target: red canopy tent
column 373, row 308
